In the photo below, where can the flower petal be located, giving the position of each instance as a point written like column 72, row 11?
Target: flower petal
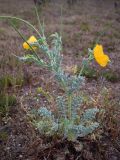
column 101, row 58
column 32, row 39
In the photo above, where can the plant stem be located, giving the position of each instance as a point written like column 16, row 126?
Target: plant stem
column 38, row 18
column 70, row 106
column 82, row 69
column 22, row 20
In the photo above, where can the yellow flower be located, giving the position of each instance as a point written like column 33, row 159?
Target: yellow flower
column 31, row 40
column 101, row 58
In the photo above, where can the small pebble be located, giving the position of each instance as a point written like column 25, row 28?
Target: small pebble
column 20, row 156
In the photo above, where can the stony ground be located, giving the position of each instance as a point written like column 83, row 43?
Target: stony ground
column 81, row 26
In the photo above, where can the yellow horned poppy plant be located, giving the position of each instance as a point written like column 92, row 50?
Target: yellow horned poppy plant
column 101, row 58
column 31, row 40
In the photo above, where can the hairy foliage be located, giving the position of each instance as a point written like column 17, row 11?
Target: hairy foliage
column 68, row 123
